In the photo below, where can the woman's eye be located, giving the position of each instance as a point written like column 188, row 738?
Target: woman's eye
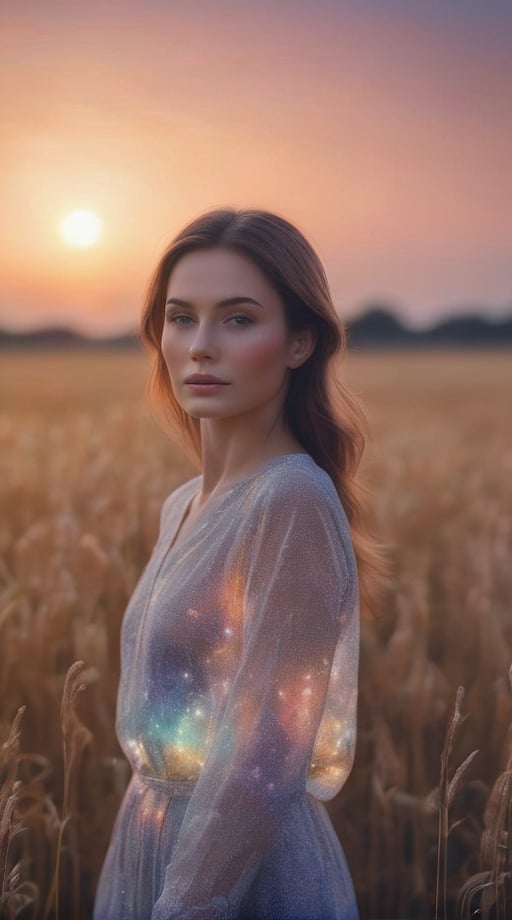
column 180, row 319
column 240, row 320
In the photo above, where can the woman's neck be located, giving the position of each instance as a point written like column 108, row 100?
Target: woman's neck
column 230, row 452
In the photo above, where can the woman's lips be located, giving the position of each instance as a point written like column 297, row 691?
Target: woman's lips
column 204, row 384
column 205, row 378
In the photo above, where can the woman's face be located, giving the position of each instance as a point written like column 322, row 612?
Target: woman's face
column 225, row 340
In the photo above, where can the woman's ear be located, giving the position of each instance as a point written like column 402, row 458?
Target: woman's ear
column 302, row 346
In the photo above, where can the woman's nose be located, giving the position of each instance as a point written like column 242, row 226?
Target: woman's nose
column 202, row 345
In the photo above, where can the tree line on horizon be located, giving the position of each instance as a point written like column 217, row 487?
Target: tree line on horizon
column 377, row 327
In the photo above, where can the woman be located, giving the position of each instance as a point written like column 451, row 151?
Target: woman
column 237, row 699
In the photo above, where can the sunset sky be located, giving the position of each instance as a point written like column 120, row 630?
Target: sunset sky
column 383, row 129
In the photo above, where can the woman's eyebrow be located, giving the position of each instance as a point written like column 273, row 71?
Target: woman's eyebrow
column 227, row 302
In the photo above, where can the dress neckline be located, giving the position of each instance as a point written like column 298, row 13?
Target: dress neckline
column 176, row 545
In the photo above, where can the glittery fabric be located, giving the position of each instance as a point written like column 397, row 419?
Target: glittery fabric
column 237, row 708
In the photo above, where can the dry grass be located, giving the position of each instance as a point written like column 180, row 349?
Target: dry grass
column 83, row 471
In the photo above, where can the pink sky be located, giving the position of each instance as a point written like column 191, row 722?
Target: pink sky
column 384, row 130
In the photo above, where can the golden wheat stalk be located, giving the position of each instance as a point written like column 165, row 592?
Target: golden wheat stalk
column 447, row 792
column 494, row 884
column 15, row 894
column 75, row 737
column 9, row 756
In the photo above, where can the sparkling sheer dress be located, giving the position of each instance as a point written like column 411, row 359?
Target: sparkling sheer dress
column 237, row 708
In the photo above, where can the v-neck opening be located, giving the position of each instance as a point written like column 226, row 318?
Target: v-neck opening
column 176, row 544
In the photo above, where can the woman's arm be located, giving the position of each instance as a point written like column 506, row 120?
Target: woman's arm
column 299, row 572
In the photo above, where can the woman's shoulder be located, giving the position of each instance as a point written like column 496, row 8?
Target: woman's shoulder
column 295, row 504
column 297, row 478
column 294, row 485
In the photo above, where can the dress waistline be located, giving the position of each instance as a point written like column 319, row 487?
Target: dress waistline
column 169, row 786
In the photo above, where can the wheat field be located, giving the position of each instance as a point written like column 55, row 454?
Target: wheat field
column 83, row 473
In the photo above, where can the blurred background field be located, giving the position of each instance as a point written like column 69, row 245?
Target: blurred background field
column 83, row 473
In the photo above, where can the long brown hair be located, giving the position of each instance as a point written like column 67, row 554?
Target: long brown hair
column 319, row 409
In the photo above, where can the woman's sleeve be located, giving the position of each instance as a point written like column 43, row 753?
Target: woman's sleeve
column 298, row 598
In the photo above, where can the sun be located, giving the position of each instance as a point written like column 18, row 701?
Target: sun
column 81, row 228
